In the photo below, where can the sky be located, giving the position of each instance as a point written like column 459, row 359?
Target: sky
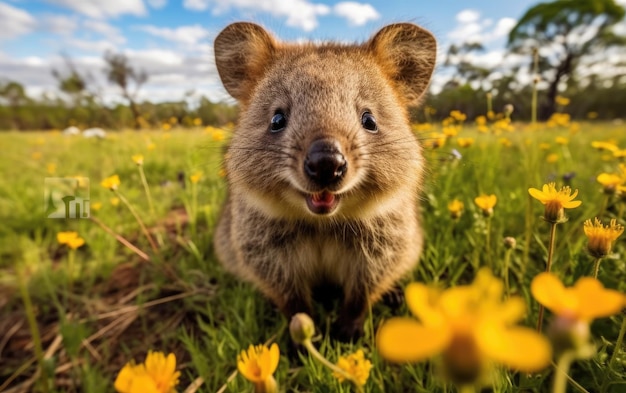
column 172, row 40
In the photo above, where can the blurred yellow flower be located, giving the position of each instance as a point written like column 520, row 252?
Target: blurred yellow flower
column 36, row 155
column 151, row 146
column 156, row 375
column 552, row 158
column 166, row 126
column 592, row 115
column 604, row 145
column 458, row 116
column 481, row 121
column 620, row 153
column 217, row 135
column 470, row 325
column 601, row 237
column 562, row 101
column 555, row 201
column 465, row 142
column 561, row 140
column 506, row 142
column 486, row 203
column 138, row 159
column 96, row 206
column 111, row 182
column 51, row 168
column 451, row 131
column 70, row 239
column 544, row 146
column 455, row 207
column 258, row 365
column 115, row 201
column 422, row 127
column 355, row 365
column 585, row 301
column 195, row 177
column 197, row 122
column 610, row 182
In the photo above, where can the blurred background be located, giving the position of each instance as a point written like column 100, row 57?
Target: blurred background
column 148, row 64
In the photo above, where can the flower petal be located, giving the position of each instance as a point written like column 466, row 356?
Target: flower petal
column 274, row 358
column 548, row 290
column 124, row 379
column 518, row 348
column 420, row 299
column 537, row 194
column 406, row 340
column 595, row 301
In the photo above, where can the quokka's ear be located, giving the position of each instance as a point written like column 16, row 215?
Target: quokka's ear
column 243, row 52
column 407, row 54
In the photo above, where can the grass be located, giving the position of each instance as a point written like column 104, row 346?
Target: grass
column 104, row 304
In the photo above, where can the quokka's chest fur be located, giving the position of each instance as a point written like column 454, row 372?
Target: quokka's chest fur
column 323, row 168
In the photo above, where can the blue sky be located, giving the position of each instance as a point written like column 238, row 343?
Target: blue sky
column 172, row 40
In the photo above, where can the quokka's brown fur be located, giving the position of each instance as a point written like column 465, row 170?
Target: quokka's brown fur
column 317, row 193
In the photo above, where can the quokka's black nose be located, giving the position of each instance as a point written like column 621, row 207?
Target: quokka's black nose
column 324, row 162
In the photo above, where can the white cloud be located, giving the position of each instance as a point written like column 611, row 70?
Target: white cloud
column 59, row 24
column 299, row 13
column 503, row 27
column 157, row 4
column 468, row 16
column 15, row 22
column 357, row 14
column 104, row 29
column 190, row 35
column 103, row 9
column 471, row 29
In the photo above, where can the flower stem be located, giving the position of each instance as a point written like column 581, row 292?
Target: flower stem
column 618, row 344
column 560, row 373
column 139, row 221
column 596, row 267
column 487, row 243
column 507, row 261
column 313, row 351
column 146, row 189
column 34, row 329
column 548, row 268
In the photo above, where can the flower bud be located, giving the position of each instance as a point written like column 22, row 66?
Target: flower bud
column 301, row 328
column 509, row 242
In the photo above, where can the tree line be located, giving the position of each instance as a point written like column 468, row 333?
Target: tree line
column 575, row 31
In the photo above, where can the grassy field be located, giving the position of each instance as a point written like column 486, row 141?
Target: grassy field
column 118, row 296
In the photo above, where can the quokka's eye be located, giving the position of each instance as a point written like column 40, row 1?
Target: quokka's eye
column 368, row 121
column 279, row 122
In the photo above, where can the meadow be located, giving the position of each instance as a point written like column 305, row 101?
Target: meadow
column 72, row 314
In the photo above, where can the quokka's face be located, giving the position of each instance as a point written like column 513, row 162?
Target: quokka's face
column 323, row 129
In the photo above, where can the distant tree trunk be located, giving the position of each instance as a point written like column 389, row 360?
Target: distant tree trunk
column 549, row 106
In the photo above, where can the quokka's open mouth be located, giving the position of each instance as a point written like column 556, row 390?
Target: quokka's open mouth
column 322, row 202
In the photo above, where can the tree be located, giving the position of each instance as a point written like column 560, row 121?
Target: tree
column 120, row 72
column 564, row 31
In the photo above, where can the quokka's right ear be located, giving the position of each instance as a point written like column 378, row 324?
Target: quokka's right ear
column 243, row 52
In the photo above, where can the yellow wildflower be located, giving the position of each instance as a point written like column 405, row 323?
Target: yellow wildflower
column 455, row 207
column 51, row 168
column 544, row 146
column 197, row 122
column 195, row 177
column 465, row 142
column 115, row 201
column 481, row 121
column 96, row 206
column 258, row 365
column 601, row 237
column 451, row 131
column 355, row 365
column 166, row 126
column 486, row 203
column 156, row 375
column 562, row 101
column 70, row 239
column 610, row 182
column 151, row 146
column 458, row 115
column 604, row 145
column 138, row 159
column 555, row 201
column 561, row 140
column 36, row 155
column 470, row 325
column 552, row 158
column 506, row 142
column 217, row 135
column 111, row 182
column 620, row 153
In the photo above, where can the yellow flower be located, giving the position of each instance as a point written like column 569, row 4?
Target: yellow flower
column 151, row 146
column 620, row 153
column 610, row 182
column 560, row 140
column 562, row 101
column 585, row 301
column 481, row 121
column 195, row 178
column 555, row 201
column 36, row 155
column 355, row 365
column 601, row 237
column 115, row 201
column 604, row 145
column 96, row 206
column 197, row 122
column 217, row 135
column 51, row 168
column 138, row 159
column 506, row 142
column 465, row 142
column 486, row 203
column 552, row 158
column 455, row 207
column 458, row 115
column 451, row 131
column 166, row 126
column 70, row 239
column 157, row 375
column 111, row 182
column 544, row 146
column 592, row 115
column 469, row 325
column 258, row 365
